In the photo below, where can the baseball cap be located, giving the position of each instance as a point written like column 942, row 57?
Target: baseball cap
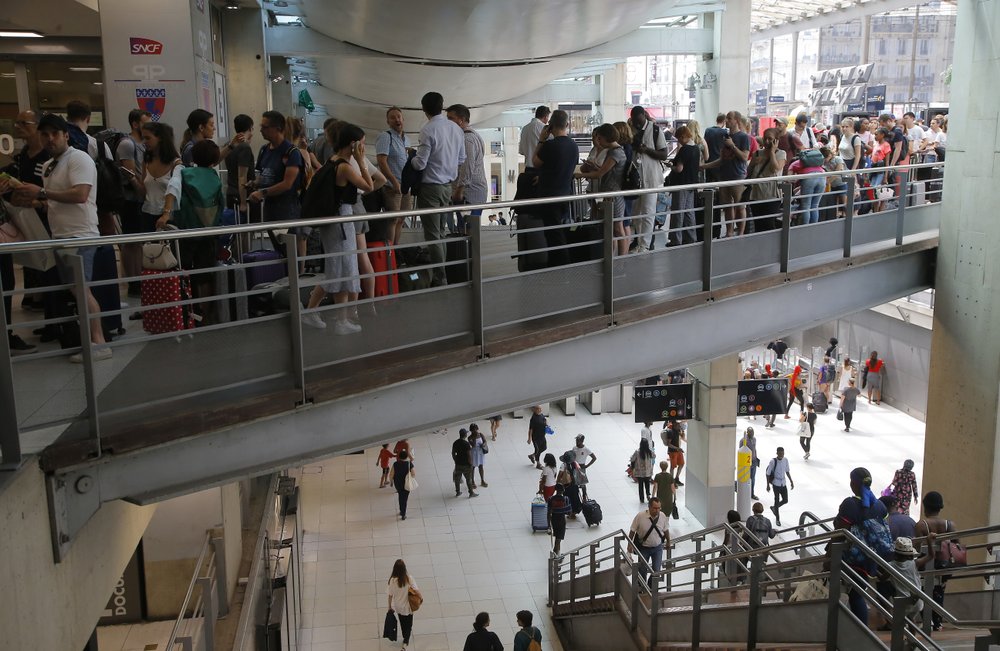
column 53, row 121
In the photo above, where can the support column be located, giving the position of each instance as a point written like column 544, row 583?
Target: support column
column 729, row 62
column 510, row 168
column 246, row 62
column 613, row 94
column 711, row 442
column 963, row 429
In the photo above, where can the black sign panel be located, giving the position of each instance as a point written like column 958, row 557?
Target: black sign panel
column 663, row 401
column 761, row 397
column 126, row 604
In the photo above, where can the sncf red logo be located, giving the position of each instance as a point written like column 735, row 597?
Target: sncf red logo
column 144, row 46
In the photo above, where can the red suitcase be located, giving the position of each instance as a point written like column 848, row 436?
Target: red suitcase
column 382, row 261
column 156, row 291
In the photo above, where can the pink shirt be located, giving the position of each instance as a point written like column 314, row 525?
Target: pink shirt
column 797, row 168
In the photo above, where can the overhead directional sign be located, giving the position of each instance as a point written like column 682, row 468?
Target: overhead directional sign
column 761, row 397
column 659, row 402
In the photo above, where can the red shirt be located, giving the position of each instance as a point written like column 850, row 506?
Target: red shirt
column 383, row 457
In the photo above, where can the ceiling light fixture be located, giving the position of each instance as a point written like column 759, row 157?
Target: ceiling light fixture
column 18, row 33
column 51, row 81
column 85, row 69
column 98, row 83
column 232, row 5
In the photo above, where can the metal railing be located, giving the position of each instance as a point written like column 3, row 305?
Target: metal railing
column 486, row 294
column 195, row 624
column 687, row 585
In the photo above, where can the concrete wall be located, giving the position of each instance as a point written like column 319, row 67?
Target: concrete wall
column 50, row 606
column 905, row 347
column 246, row 64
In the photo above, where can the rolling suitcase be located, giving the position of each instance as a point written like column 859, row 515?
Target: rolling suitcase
column 819, row 402
column 383, row 261
column 918, row 193
column 590, row 238
column 528, row 242
column 108, row 297
column 156, row 291
column 539, row 515
column 457, row 250
column 264, row 273
column 592, row 513
column 413, row 279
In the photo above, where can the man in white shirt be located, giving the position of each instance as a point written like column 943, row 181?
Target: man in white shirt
column 778, row 474
column 650, row 534
column 914, row 132
column 585, row 458
column 647, row 433
column 649, row 149
column 440, row 152
column 70, row 180
column 531, row 133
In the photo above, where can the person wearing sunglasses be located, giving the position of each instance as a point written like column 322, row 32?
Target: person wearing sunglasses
column 69, row 192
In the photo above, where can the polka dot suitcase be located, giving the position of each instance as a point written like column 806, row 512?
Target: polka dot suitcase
column 157, row 291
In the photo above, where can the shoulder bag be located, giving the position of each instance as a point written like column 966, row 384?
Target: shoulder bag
column 951, row 553
column 410, row 483
column 414, row 598
column 159, row 255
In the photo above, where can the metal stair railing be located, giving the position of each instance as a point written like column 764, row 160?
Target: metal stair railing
column 195, row 624
column 684, row 577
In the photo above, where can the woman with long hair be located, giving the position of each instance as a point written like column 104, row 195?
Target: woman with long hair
column 162, row 185
column 481, row 639
column 479, row 450
column 339, row 241
column 397, row 591
column 642, row 463
column 697, row 139
column 605, row 175
column 402, row 467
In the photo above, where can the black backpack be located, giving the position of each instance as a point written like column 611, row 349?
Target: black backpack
column 110, row 178
column 321, row 198
column 631, row 179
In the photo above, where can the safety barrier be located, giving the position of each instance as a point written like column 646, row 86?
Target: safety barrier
column 466, row 290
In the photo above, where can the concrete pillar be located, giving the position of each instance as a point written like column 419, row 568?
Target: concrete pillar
column 159, row 59
column 281, row 91
column 729, row 62
column 511, row 166
column 613, row 94
column 246, row 62
column 963, row 410
column 711, row 442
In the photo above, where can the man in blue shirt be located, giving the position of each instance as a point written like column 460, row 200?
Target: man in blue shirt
column 279, row 167
column 555, row 159
column 390, row 151
column 440, row 152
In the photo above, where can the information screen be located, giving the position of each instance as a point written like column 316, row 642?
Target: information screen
column 663, row 401
column 761, row 397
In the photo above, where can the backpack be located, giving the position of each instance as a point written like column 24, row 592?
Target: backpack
column 825, row 373
column 533, row 644
column 811, row 158
column 321, row 198
column 631, row 178
column 202, row 200
column 874, row 532
column 110, row 179
column 112, row 138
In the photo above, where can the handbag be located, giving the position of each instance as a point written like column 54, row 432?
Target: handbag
column 804, row 431
column 564, row 478
column 840, row 414
column 485, row 446
column 159, row 256
column 415, row 599
column 580, row 477
column 9, row 233
column 811, row 590
column 389, row 628
column 951, row 554
column 410, row 483
column 31, row 228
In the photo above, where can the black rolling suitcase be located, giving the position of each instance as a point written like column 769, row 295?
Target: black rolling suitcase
column 457, row 251
column 108, row 296
column 589, row 236
column 592, row 513
column 530, row 246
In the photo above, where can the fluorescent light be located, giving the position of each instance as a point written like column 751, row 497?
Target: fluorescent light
column 10, row 33
column 8, row 75
column 232, row 5
column 85, row 69
column 98, row 83
column 287, row 20
column 50, row 81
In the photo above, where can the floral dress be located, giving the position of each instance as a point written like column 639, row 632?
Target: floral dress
column 904, row 488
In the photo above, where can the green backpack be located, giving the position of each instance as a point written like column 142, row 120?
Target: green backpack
column 202, row 201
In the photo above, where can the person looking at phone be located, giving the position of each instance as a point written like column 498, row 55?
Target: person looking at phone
column 440, row 153
column 556, row 160
column 279, row 170
column 731, row 165
column 650, row 149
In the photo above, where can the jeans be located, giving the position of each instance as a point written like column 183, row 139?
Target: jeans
column 434, row 196
column 653, row 555
column 644, row 490
column 405, row 623
column 805, row 443
column 753, row 477
column 811, row 192
column 780, row 498
column 856, row 600
column 684, row 219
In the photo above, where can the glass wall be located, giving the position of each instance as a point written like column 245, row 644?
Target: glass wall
column 660, row 84
column 781, row 67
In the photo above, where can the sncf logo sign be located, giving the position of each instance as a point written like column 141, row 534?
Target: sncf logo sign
column 144, row 46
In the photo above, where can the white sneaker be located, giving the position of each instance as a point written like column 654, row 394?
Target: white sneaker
column 313, row 320
column 345, row 328
column 350, row 326
column 98, row 354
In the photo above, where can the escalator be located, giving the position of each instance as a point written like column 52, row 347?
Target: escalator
column 718, row 592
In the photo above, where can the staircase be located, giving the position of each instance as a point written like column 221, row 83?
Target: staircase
column 717, row 593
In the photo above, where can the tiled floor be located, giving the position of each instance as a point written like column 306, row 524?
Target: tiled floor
column 472, row 555
column 134, row 637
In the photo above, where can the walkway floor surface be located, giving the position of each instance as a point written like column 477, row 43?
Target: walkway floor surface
column 472, row 555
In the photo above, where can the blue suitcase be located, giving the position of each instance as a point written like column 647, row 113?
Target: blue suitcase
column 539, row 515
column 264, row 273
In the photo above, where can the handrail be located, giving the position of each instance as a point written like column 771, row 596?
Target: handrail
column 244, row 628
column 181, row 616
column 138, row 238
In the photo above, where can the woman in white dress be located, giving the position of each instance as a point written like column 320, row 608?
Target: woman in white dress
column 847, row 373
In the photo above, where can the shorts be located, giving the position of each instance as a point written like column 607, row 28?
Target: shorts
column 676, row 459
column 66, row 271
column 385, row 471
column 730, row 194
column 496, row 419
column 558, row 526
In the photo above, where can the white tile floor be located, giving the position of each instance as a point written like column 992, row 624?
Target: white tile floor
column 472, row 555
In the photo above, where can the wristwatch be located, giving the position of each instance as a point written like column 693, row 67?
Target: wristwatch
column 43, row 195
column 263, row 192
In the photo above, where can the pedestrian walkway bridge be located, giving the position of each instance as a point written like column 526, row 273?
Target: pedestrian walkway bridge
column 169, row 414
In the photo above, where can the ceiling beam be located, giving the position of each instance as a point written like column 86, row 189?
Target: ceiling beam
column 820, row 20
